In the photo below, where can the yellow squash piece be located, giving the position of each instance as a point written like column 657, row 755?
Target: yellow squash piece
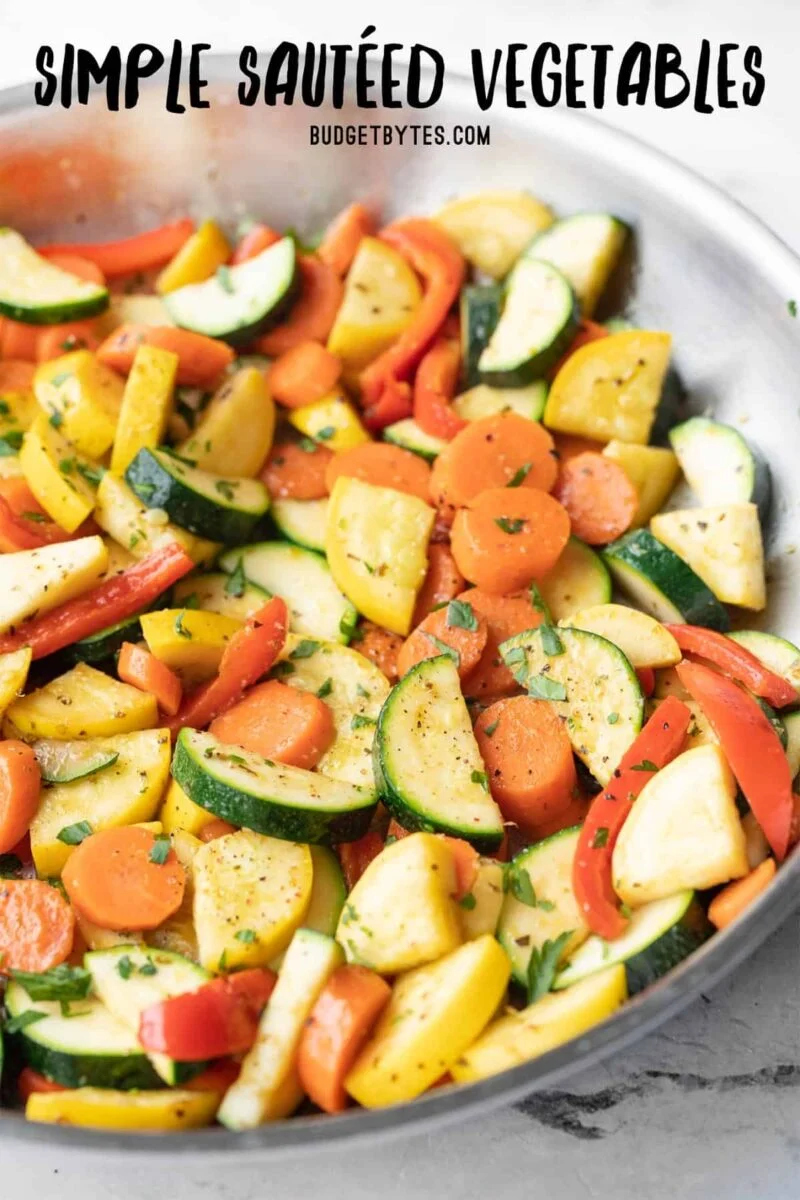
column 18, row 408
column 172, row 1110
column 141, row 530
column 83, row 396
column 126, row 793
column 14, row 668
column 610, row 389
column 251, row 893
column 197, row 259
column 177, row 934
column 491, row 229
column 377, row 547
column 556, row 1018
column 58, row 477
column 242, row 402
column 136, row 309
column 332, row 420
column 97, row 938
column 723, row 545
column 188, row 640
column 380, row 297
column 84, row 703
column 146, row 404
column 487, row 893
column 401, row 913
column 433, row 1015
column 643, row 640
column 178, row 812
column 653, row 471
column 36, row 581
column 486, row 401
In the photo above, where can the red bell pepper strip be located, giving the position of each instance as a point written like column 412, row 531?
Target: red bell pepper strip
column 249, row 654
column 356, row 856
column 588, row 331
column 393, row 404
column 131, row 254
column 257, row 238
column 736, row 662
column 112, row 601
column 30, row 1082
column 220, row 1018
column 751, row 747
column 658, row 743
column 434, row 387
column 647, row 680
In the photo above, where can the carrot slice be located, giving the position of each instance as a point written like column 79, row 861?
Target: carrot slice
column 312, row 317
column 599, row 497
column 296, row 470
column 60, row 339
column 128, row 255
column 75, row 264
column 20, row 785
column 506, row 450
column 18, row 340
column 443, row 581
column 36, row 926
column 381, row 647
column 278, row 722
column 303, row 374
column 356, row 856
column 731, row 902
column 340, row 1022
column 509, row 536
column 528, row 759
column 143, row 670
column 257, row 238
column 440, row 632
column 465, row 860
column 343, row 237
column 505, row 616
column 573, row 814
column 201, row 359
column 383, row 465
column 216, row 829
column 16, row 375
column 118, row 880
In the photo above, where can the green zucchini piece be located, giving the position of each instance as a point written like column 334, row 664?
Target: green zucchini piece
column 723, row 545
column 591, row 685
column 486, row 401
column 268, row 797
column 776, row 653
column 661, row 583
column 480, row 307
column 585, row 249
column 579, row 579
column 328, row 892
column 791, row 725
column 411, row 436
column 538, row 324
column 317, row 608
column 430, row 772
column 720, row 466
column 223, row 510
column 240, row 302
column 37, row 292
column 232, row 595
column 303, row 521
column 64, row 762
column 659, row 936
column 102, row 646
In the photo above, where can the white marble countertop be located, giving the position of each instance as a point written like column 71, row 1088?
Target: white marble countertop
column 710, row 1104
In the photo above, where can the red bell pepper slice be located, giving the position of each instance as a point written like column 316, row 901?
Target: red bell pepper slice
column 736, row 662
column 257, row 238
column 658, row 743
column 434, row 388
column 647, row 680
column 131, row 254
column 588, row 331
column 112, row 601
column 751, row 747
column 356, row 856
column 24, row 524
column 220, row 1018
column 393, row 404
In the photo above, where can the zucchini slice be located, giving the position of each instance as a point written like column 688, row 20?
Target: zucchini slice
column 37, row 292
column 328, row 892
column 486, row 401
column 661, row 583
column 411, row 436
column 660, row 935
column 791, row 725
column 303, row 521
column 585, row 249
column 720, row 466
column 230, row 595
column 64, row 762
column 579, row 579
column 723, row 545
column 268, row 797
column 436, row 782
column 224, row 510
column 84, row 1046
column 780, row 655
column 642, row 639
column 480, row 308
column 592, row 686
column 316, row 606
column 538, row 324
column 491, row 229
column 102, row 646
column 238, row 303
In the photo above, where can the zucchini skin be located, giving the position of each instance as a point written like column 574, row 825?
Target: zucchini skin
column 123, row 1072
column 56, row 314
column 668, row 573
column 676, row 944
column 480, row 309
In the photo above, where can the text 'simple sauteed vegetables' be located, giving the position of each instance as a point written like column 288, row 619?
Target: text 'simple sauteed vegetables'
column 332, row 770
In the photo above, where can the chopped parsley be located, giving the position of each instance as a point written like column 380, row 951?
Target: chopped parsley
column 543, row 965
column 468, row 902
column 125, row 967
column 226, row 490
column 600, row 838
column 308, row 445
column 460, row 615
column 305, row 648
column 180, row 628
column 236, row 581
column 482, row 778
column 73, row 835
column 326, row 433
column 612, row 718
column 539, row 603
column 248, row 936
column 325, row 688
column 490, row 729
column 644, row 765
column 93, row 475
column 59, row 983
column 443, row 648
column 551, row 642
column 517, row 881
column 10, row 443
column 34, row 516
column 281, row 669
column 792, row 307
column 360, row 721
column 56, row 418
column 160, row 851
column 519, row 476
column 29, row 1017
column 510, row 524
column 225, row 280
column 148, row 968
column 546, row 689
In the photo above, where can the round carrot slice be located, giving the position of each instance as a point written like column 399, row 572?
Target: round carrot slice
column 442, row 583
column 20, row 785
column 528, row 759
column 570, row 445
column 278, row 722
column 16, row 375
column 505, row 616
column 457, row 628
column 216, row 829
column 573, row 814
column 36, row 926
column 118, row 879
column 599, row 497
column 383, row 465
column 61, row 339
column 296, row 471
column 494, row 452
column 509, row 536
column 312, row 317
column 381, row 647
column 303, row 374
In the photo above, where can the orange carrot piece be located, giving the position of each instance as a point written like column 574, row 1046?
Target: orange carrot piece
column 731, row 902
column 18, row 340
column 506, row 450
column 296, row 470
column 36, row 926
column 20, row 785
column 303, row 374
column 528, row 759
column 82, row 268
column 599, row 497
column 16, row 375
column 573, row 814
column 128, row 255
column 383, row 465
column 278, row 722
column 569, row 445
column 443, row 581
column 465, row 860
column 312, row 317
column 201, row 359
column 257, row 238
column 356, row 856
column 436, row 632
column 221, row 1075
column 380, row 646
column 509, row 536
column 141, row 669
column 24, row 524
column 588, row 331
column 113, row 878
column 60, row 339
column 216, row 829
column 340, row 1023
column 505, row 616
column 343, row 237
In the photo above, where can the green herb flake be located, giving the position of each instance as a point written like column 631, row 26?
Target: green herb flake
column 600, row 838
column 60, row 378
column 237, row 581
column 148, row 968
column 226, row 489
column 326, row 433
column 11, row 443
column 282, row 669
column 468, row 902
column 18, row 1023
column 543, row 965
column 225, row 280
column 517, row 881
column 551, row 642
column 305, row 648
column 510, row 524
column 539, row 604
column 308, row 445
column 644, row 765
column 39, row 518
column 93, row 475
column 791, row 305
column 145, row 491
column 520, row 476
column 360, row 721
column 125, row 967
column 443, row 648
column 73, row 835
column 363, row 692
column 66, row 466
column 460, row 615
column 325, row 688
column 482, row 778
column 546, row 689
column 5, row 410
column 180, row 628
column 56, row 418
column 612, row 718
column 247, row 936
column 59, row 983
column 160, row 850
column 489, row 730
column 545, row 905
